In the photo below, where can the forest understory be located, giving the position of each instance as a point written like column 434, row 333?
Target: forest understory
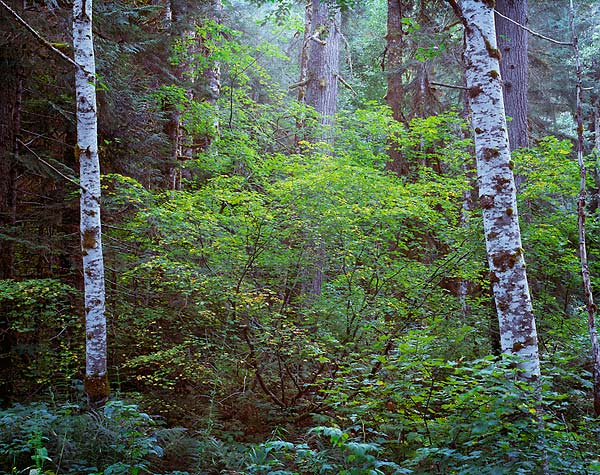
column 278, row 237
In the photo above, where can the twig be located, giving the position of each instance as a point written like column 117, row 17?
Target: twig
column 534, row 33
column 298, row 84
column 346, row 85
column 39, row 37
column 451, row 86
column 52, row 167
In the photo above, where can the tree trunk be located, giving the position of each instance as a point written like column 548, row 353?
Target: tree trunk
column 184, row 144
column 392, row 66
column 514, row 68
column 96, row 378
column 11, row 94
column 323, row 65
column 497, row 192
column 585, row 271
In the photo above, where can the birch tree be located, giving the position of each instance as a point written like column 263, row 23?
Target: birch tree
column 96, row 379
column 497, row 193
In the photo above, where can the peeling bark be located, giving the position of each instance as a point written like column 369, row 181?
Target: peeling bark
column 497, row 192
column 96, row 378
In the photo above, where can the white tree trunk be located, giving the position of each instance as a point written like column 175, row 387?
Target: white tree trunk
column 497, row 192
column 96, row 383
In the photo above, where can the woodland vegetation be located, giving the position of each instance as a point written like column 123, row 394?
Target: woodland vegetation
column 315, row 223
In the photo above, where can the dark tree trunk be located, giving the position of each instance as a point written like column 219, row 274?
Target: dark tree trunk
column 392, row 66
column 514, row 68
column 323, row 64
column 10, row 118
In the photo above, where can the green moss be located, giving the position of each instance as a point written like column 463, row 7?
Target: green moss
column 494, row 74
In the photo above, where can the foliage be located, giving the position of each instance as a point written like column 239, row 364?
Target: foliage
column 41, row 336
column 217, row 321
column 117, row 440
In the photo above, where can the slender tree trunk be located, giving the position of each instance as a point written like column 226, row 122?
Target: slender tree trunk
column 497, row 192
column 514, row 68
column 96, row 378
column 323, row 65
column 585, row 271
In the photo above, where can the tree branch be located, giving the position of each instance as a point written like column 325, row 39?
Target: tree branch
column 39, row 37
column 52, row 167
column 539, row 35
column 451, row 86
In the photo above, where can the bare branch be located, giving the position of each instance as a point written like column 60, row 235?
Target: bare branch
column 451, row 86
column 539, row 35
column 39, row 37
column 52, row 167
column 345, row 84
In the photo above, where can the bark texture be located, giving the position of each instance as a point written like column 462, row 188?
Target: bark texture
column 392, row 65
column 497, row 192
column 96, row 380
column 11, row 94
column 514, row 68
column 184, row 143
column 323, row 64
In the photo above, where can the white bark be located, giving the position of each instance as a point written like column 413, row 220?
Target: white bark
column 497, row 192
column 91, row 242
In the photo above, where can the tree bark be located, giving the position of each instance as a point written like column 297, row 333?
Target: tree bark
column 581, row 213
column 96, row 378
column 392, row 65
column 514, row 68
column 323, row 65
column 184, row 144
column 11, row 94
column 497, row 192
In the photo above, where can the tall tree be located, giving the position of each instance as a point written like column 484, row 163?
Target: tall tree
column 514, row 67
column 181, row 18
column 323, row 63
column 10, row 117
column 581, row 214
column 393, row 64
column 96, row 376
column 497, row 193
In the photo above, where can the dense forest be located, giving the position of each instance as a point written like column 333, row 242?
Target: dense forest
column 299, row 237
